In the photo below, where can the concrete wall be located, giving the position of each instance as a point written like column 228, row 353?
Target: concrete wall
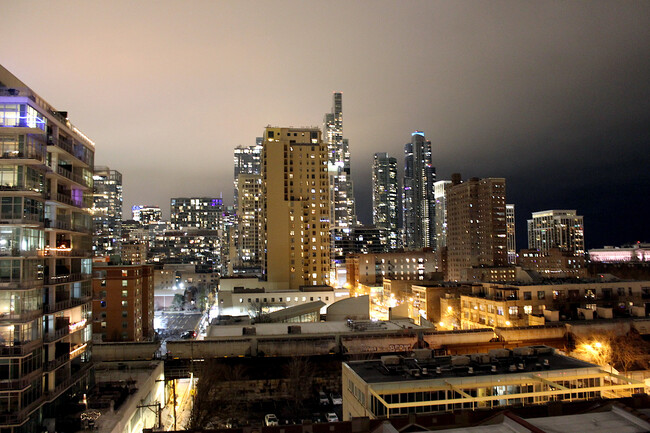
column 589, row 328
column 439, row 339
column 379, row 343
column 124, row 351
column 531, row 333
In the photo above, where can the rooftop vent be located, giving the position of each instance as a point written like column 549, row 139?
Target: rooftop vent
column 390, row 360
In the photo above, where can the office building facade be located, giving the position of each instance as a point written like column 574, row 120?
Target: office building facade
column 107, row 211
column 418, row 196
column 563, row 229
column 46, row 166
column 385, row 203
column 296, row 207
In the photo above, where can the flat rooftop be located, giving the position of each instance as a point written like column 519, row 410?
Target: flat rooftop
column 498, row 362
column 311, row 328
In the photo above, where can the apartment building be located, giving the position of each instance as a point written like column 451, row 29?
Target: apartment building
column 123, row 302
column 296, row 207
column 46, row 193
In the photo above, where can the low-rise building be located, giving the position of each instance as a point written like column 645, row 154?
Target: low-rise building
column 552, row 263
column 394, row 385
column 407, row 265
column 498, row 305
column 251, row 296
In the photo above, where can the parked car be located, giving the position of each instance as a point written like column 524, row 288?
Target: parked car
column 336, row 399
column 316, row 418
column 270, row 419
column 331, row 417
column 322, row 399
column 188, row 334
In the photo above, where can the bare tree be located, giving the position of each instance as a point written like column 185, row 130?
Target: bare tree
column 300, row 377
column 621, row 351
column 218, row 398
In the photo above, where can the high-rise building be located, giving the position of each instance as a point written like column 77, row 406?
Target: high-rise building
column 562, row 229
column 249, row 221
column 196, row 212
column 107, row 211
column 342, row 211
column 476, row 222
column 385, row 205
column 146, row 214
column 248, row 160
column 418, row 202
column 46, row 170
column 295, row 207
column 123, row 302
column 510, row 228
column 440, row 189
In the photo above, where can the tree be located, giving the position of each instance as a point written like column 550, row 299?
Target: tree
column 300, row 377
column 621, row 351
column 218, row 400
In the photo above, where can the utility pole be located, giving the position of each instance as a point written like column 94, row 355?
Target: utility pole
column 174, row 391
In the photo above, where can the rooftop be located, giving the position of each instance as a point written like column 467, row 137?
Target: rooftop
column 497, row 362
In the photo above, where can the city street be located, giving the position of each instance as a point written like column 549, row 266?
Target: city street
column 171, row 324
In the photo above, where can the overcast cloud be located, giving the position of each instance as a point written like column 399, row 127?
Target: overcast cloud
column 553, row 96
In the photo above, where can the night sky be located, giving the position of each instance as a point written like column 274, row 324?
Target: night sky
column 553, row 96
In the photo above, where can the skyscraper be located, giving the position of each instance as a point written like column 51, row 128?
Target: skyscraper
column 295, row 207
column 562, row 229
column 440, row 190
column 385, row 206
column 476, row 221
column 45, row 257
column 419, row 201
column 342, row 211
column 512, row 240
column 247, row 231
column 145, row 214
column 249, row 221
column 196, row 212
column 107, row 211
column 247, row 161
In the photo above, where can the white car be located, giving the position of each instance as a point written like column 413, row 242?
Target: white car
column 336, row 399
column 322, row 399
column 270, row 419
column 331, row 417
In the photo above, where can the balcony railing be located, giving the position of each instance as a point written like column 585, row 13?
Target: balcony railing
column 71, row 176
column 51, row 395
column 21, row 317
column 63, row 305
column 21, row 383
column 20, row 348
column 56, row 363
column 19, row 416
column 67, row 278
column 49, row 337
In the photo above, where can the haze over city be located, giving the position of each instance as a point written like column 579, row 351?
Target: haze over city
column 552, row 96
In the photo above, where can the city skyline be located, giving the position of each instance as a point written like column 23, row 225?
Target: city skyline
column 539, row 94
